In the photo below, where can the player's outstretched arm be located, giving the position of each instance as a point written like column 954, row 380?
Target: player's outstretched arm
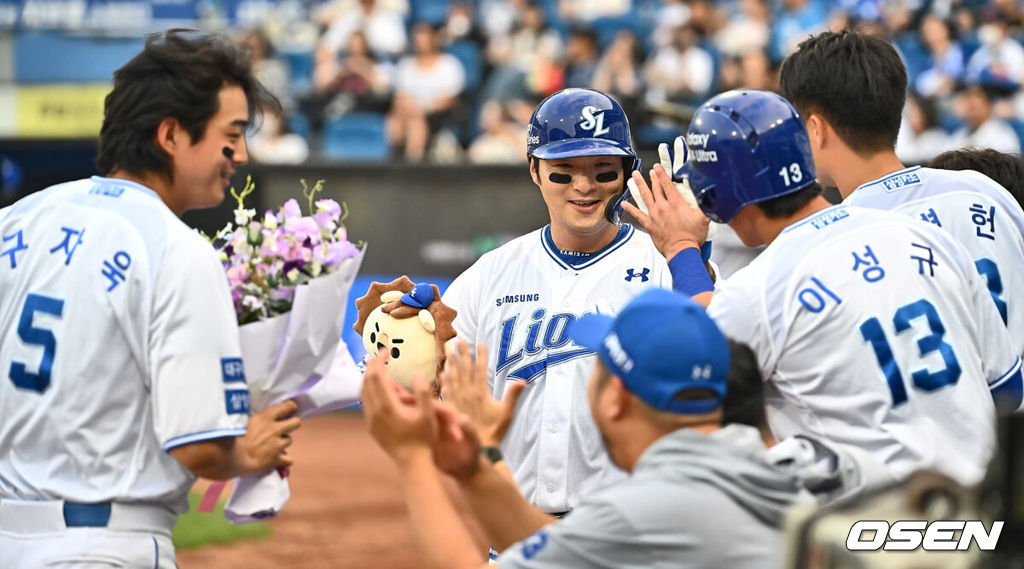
column 264, row 446
column 677, row 229
column 405, row 426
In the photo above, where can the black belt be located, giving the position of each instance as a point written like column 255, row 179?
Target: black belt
column 86, row 515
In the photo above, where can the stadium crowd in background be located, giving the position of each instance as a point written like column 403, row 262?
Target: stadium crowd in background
column 479, row 66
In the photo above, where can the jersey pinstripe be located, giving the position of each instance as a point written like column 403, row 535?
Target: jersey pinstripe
column 877, row 332
column 519, row 301
column 118, row 342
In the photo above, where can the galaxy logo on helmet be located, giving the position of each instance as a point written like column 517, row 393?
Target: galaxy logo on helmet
column 583, row 122
column 746, row 146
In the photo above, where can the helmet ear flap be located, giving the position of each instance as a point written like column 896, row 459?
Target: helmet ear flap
column 613, row 209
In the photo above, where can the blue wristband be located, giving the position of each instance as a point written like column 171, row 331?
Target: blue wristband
column 705, row 251
column 689, row 276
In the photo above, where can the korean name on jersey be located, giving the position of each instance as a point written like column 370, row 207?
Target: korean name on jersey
column 118, row 342
column 875, row 331
column 978, row 212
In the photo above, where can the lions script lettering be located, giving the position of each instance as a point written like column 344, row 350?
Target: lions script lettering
column 527, row 349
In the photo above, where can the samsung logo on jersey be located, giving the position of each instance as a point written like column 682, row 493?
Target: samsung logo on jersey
column 105, row 190
column 898, row 181
column 829, row 218
column 513, row 298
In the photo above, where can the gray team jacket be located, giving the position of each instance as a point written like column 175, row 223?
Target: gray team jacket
column 693, row 500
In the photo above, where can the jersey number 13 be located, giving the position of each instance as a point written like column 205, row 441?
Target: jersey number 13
column 922, row 379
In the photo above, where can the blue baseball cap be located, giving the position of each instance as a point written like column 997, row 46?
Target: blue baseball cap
column 660, row 345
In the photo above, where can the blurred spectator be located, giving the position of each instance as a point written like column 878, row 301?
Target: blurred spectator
column 525, row 62
column 794, row 21
column 384, row 28
column 983, row 128
column 945, row 58
column 499, row 17
column 752, row 70
column 681, row 71
column 501, row 141
column 1000, row 56
column 580, row 57
column 921, row 138
column 671, row 14
column 355, row 75
column 460, row 25
column 749, row 30
column 268, row 68
column 427, row 85
column 273, row 144
column 585, row 11
column 706, row 17
column 618, row 71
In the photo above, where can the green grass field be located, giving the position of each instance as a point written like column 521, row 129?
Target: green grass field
column 195, row 529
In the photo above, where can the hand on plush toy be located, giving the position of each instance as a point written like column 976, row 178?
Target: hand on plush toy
column 411, row 323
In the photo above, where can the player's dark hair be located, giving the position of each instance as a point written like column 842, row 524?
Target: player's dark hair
column 744, row 396
column 855, row 81
column 1006, row 169
column 178, row 74
column 789, row 204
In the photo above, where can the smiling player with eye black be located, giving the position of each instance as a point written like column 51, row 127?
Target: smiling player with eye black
column 519, row 301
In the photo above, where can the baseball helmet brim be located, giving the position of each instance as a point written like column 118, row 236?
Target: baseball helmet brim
column 574, row 147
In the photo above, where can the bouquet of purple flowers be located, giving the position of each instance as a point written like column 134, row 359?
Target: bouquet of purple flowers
column 266, row 259
column 290, row 275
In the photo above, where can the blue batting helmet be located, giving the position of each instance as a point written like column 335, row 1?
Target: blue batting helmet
column 583, row 122
column 746, row 146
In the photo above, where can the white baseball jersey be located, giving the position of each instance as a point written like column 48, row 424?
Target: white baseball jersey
column 874, row 331
column 118, row 342
column 519, row 300
column 978, row 212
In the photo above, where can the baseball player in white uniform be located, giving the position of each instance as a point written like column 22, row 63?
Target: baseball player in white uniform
column 871, row 330
column 836, row 80
column 121, row 371
column 521, row 299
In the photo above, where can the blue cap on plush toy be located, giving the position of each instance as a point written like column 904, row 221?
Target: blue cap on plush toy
column 421, row 295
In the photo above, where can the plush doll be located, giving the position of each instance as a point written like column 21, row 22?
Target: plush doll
column 411, row 323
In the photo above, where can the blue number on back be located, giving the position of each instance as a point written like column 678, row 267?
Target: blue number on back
column 922, row 379
column 988, row 269
column 36, row 337
column 872, row 333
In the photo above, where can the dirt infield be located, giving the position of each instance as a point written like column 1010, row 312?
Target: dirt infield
column 346, row 509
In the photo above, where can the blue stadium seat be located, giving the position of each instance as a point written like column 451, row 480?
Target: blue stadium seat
column 432, row 12
column 300, row 70
column 299, row 123
column 468, row 53
column 355, row 137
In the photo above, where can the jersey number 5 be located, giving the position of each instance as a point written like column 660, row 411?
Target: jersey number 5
column 922, row 379
column 33, row 336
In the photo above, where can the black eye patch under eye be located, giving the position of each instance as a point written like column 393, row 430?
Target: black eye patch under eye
column 605, row 177
column 559, row 178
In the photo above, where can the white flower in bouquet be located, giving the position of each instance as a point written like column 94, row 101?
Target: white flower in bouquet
column 267, row 258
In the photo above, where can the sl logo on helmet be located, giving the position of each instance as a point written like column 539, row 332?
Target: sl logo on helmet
column 594, row 120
